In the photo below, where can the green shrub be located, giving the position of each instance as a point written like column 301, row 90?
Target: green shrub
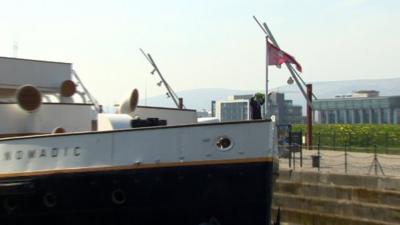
column 356, row 135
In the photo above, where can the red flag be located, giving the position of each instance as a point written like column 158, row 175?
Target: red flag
column 277, row 57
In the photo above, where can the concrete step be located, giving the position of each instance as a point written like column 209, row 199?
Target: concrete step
column 350, row 193
column 305, row 217
column 334, row 207
column 366, row 181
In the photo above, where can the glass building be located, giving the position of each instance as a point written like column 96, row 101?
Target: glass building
column 237, row 107
column 360, row 107
column 232, row 110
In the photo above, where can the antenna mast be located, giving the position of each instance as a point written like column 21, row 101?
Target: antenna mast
column 170, row 92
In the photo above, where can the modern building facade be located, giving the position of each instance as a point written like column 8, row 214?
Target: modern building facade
column 237, row 107
column 362, row 107
column 232, row 110
column 284, row 110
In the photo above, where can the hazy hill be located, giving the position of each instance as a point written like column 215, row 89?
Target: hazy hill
column 196, row 98
column 201, row 98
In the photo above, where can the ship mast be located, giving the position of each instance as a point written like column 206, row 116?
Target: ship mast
column 296, row 77
column 170, row 92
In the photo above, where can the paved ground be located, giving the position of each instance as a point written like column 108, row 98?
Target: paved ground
column 357, row 163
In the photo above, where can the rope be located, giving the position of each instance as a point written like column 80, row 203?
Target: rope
column 357, row 167
column 391, row 167
column 334, row 165
column 360, row 157
column 388, row 157
column 333, row 156
column 359, row 163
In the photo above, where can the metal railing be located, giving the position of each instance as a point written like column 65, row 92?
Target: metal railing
column 345, row 160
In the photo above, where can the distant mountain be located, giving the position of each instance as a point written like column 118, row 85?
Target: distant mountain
column 198, row 99
column 201, row 98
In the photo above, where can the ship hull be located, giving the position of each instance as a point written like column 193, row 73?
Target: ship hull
column 225, row 193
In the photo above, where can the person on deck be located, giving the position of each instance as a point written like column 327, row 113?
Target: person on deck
column 255, row 105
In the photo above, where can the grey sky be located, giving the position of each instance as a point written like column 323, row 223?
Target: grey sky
column 206, row 43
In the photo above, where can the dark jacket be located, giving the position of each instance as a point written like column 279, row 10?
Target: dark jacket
column 255, row 107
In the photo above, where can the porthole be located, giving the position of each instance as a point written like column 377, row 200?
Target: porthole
column 50, row 200
column 224, row 143
column 118, row 196
column 10, row 204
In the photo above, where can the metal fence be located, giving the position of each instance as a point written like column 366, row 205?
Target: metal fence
column 343, row 160
column 382, row 142
column 349, row 162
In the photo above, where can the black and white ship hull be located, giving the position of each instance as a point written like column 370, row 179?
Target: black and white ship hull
column 230, row 193
column 188, row 175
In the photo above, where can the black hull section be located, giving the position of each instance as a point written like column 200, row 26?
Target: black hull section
column 226, row 194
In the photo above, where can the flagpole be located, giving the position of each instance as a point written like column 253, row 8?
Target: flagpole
column 290, row 68
column 266, row 102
